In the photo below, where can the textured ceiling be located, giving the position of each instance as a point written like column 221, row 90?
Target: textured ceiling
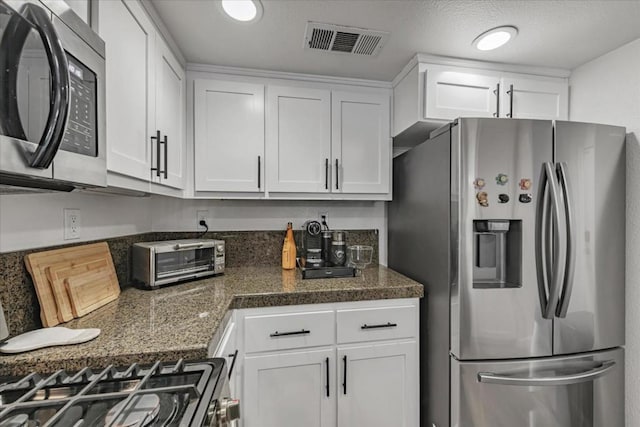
column 553, row 33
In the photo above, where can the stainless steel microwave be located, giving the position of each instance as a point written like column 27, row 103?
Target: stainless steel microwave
column 52, row 98
column 156, row 264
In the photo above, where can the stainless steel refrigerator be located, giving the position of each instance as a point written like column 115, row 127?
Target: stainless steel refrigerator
column 517, row 230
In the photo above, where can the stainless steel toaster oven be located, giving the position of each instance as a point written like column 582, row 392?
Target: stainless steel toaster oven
column 156, row 264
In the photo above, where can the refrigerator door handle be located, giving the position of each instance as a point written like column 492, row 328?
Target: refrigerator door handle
column 548, row 187
column 570, row 262
column 581, row 377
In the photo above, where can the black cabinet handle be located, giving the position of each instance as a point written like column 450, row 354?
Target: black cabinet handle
column 158, row 143
column 233, row 362
column 166, row 162
column 497, row 93
column 384, row 325
column 326, row 174
column 326, row 361
column 510, row 92
column 344, row 365
column 259, row 167
column 337, row 175
column 283, row 334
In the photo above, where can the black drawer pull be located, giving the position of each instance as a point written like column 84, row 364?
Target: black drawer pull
column 386, row 325
column 282, row 334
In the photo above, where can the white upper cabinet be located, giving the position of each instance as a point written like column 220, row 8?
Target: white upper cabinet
column 129, row 37
column 255, row 139
column 361, row 143
column 146, row 107
column 229, row 136
column 170, row 116
column 454, row 93
column 531, row 98
column 432, row 91
column 298, row 139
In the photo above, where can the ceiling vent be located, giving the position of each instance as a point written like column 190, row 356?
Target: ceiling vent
column 336, row 38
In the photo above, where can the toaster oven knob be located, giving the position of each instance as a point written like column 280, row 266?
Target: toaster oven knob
column 229, row 411
column 220, row 248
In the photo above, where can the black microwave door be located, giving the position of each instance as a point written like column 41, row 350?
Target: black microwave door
column 34, row 83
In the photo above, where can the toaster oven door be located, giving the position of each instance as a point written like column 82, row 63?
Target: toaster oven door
column 175, row 265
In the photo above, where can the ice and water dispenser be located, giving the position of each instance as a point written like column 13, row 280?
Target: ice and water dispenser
column 497, row 253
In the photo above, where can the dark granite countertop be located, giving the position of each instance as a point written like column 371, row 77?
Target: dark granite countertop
column 181, row 321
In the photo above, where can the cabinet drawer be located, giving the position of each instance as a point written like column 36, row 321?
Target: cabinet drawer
column 380, row 323
column 285, row 331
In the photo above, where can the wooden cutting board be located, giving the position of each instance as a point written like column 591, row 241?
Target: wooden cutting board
column 57, row 273
column 91, row 290
column 38, row 262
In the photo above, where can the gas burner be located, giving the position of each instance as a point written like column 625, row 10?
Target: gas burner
column 139, row 411
column 180, row 394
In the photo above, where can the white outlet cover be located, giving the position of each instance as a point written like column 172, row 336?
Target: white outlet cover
column 201, row 214
column 72, row 224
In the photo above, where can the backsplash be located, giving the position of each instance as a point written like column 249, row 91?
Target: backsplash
column 261, row 248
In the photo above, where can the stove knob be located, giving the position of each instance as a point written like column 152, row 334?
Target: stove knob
column 229, row 411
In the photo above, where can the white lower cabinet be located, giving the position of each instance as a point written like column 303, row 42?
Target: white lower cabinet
column 228, row 349
column 323, row 365
column 378, row 385
column 290, row 389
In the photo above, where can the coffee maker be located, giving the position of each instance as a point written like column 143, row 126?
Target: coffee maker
column 323, row 252
column 311, row 253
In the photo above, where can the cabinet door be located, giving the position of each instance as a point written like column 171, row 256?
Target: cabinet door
column 129, row 37
column 360, row 143
column 378, row 385
column 290, row 389
column 229, row 136
column 452, row 93
column 82, row 8
column 298, row 140
column 534, row 99
column 170, row 112
column 228, row 349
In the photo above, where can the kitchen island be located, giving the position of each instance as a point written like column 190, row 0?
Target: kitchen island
column 183, row 321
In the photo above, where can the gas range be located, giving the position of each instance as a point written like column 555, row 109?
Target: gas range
column 180, row 394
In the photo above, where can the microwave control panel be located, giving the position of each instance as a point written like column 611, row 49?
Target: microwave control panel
column 80, row 136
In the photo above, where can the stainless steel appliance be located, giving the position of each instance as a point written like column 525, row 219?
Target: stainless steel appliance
column 52, row 98
column 156, row 264
column 517, row 229
column 185, row 394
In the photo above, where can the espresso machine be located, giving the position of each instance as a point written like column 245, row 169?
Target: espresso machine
column 323, row 252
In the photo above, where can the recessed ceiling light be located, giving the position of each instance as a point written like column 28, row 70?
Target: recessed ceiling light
column 495, row 37
column 243, row 10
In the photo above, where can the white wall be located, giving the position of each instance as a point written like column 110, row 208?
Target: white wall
column 607, row 90
column 36, row 220
column 171, row 214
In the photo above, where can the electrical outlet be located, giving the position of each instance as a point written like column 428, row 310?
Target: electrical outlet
column 323, row 216
column 72, row 223
column 201, row 215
